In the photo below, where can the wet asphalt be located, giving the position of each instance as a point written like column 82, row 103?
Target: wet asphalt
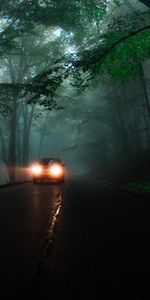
column 73, row 241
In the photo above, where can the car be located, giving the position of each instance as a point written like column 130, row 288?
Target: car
column 48, row 169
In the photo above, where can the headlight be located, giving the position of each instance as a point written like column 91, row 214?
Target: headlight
column 37, row 170
column 56, row 170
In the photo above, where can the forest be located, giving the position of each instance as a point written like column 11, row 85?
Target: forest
column 75, row 83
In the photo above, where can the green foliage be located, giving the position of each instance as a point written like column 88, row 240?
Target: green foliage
column 6, row 93
column 140, row 185
column 118, row 50
column 43, row 87
column 117, row 2
column 80, row 80
column 124, row 60
column 19, row 17
column 5, row 110
column 128, row 23
column 122, row 49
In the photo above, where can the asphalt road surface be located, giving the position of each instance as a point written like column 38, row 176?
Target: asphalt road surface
column 73, row 241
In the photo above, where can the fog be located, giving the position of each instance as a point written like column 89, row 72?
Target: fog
column 106, row 130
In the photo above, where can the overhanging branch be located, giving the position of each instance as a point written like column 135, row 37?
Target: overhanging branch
column 79, row 63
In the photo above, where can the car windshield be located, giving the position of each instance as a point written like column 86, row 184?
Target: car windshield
column 47, row 161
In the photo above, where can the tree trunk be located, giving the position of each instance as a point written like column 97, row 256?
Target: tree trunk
column 28, row 116
column 146, row 98
column 42, row 135
column 12, row 143
column 3, row 149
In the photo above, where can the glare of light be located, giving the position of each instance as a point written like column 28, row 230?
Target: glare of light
column 56, row 170
column 37, row 170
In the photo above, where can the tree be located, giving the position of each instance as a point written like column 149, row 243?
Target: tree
column 32, row 54
column 117, row 31
column 18, row 17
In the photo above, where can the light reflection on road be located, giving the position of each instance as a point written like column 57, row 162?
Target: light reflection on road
column 55, row 214
column 54, row 195
column 28, row 216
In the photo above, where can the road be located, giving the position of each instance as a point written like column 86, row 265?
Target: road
column 79, row 239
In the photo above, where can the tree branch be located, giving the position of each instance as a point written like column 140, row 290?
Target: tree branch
column 79, row 62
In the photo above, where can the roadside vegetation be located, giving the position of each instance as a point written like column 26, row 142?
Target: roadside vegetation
column 140, row 179
column 140, row 185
